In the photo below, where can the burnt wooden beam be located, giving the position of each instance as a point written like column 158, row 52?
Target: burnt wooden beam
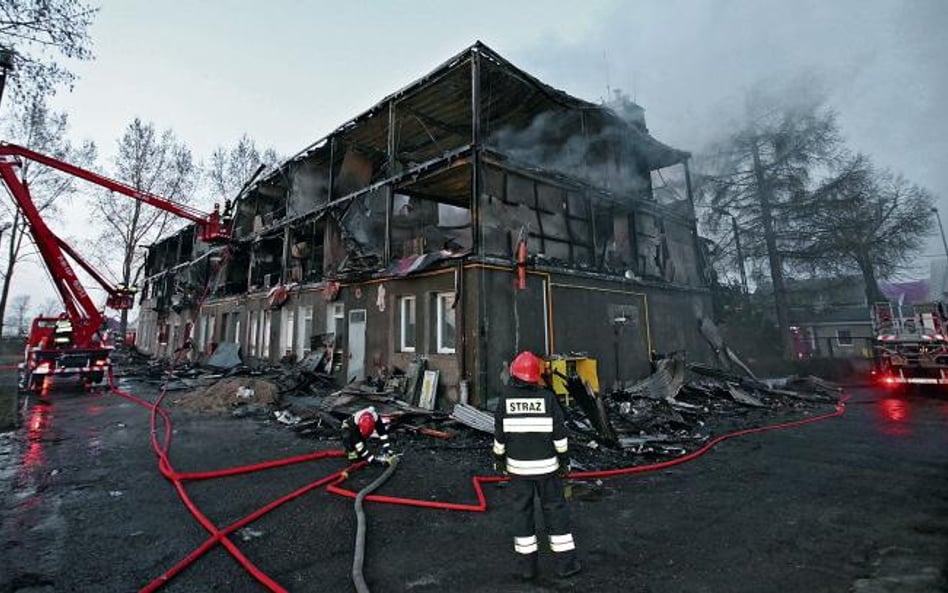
column 423, row 118
column 389, row 188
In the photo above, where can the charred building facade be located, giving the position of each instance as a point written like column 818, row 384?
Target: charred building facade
column 396, row 237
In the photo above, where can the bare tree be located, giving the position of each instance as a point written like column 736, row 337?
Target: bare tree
column 232, row 168
column 41, row 33
column 49, row 308
column 867, row 220
column 35, row 126
column 152, row 162
column 759, row 173
column 18, row 323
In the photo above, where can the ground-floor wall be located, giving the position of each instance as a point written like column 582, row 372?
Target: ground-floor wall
column 467, row 321
column 616, row 322
column 850, row 339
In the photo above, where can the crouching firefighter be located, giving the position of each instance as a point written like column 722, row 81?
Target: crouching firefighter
column 361, row 426
column 530, row 445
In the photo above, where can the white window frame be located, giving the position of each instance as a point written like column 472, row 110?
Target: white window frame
column 304, row 315
column 287, row 328
column 254, row 331
column 441, row 298
column 334, row 312
column 839, row 342
column 265, row 335
column 403, row 303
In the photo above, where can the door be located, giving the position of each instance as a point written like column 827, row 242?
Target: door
column 356, row 337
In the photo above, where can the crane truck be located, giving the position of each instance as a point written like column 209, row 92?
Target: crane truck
column 77, row 343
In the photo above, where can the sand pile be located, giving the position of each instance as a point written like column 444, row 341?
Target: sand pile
column 227, row 394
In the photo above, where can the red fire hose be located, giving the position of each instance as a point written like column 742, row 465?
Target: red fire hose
column 478, row 480
column 218, row 535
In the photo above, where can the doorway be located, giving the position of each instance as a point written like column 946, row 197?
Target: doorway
column 356, row 336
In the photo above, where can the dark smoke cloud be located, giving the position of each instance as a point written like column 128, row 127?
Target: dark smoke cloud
column 883, row 65
column 690, row 63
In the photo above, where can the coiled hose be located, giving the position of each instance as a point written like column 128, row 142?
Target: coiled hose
column 359, row 557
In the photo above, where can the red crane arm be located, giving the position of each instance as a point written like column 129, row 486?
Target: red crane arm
column 212, row 226
column 79, row 306
column 102, row 280
column 120, row 297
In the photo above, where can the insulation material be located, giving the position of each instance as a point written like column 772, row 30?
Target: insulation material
column 681, row 248
column 226, row 356
column 652, row 251
column 622, row 240
column 453, row 216
column 364, row 221
column 334, row 249
column 309, row 188
column 355, row 173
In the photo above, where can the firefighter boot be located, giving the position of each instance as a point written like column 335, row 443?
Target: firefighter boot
column 527, row 566
column 567, row 564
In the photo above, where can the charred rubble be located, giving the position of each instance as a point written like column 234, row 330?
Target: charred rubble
column 675, row 410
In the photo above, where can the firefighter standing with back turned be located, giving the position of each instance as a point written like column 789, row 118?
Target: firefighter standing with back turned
column 530, row 445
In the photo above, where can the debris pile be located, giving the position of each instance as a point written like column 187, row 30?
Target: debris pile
column 680, row 407
column 225, row 395
column 676, row 409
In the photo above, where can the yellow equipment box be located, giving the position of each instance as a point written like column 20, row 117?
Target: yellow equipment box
column 581, row 366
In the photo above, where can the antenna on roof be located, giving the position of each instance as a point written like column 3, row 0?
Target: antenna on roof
column 605, row 61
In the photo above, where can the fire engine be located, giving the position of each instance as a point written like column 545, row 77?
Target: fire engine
column 910, row 348
column 77, row 343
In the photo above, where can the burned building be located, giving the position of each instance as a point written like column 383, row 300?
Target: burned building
column 399, row 236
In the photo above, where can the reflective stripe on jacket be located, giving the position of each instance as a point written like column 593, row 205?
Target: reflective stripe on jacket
column 529, row 431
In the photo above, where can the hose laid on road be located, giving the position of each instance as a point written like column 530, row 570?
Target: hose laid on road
column 359, row 556
column 477, row 481
column 334, row 481
column 161, row 447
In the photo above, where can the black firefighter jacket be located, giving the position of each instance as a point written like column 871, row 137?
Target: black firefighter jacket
column 529, row 431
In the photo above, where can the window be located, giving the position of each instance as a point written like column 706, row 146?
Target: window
column 844, row 337
column 305, row 331
column 406, row 331
column 254, row 332
column 286, row 341
column 334, row 311
column 265, row 336
column 446, row 323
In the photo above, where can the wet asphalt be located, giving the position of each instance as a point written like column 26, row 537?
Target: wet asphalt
column 854, row 503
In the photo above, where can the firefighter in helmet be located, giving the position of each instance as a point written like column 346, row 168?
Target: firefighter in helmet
column 62, row 331
column 530, row 445
column 361, row 426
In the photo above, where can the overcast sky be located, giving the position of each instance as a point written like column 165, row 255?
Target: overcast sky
column 287, row 73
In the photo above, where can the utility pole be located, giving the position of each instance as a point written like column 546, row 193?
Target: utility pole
column 942, row 230
column 6, row 66
column 944, row 244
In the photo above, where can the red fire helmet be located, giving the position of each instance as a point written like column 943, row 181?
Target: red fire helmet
column 367, row 423
column 526, row 367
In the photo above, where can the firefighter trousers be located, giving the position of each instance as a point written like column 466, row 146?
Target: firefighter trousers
column 549, row 491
